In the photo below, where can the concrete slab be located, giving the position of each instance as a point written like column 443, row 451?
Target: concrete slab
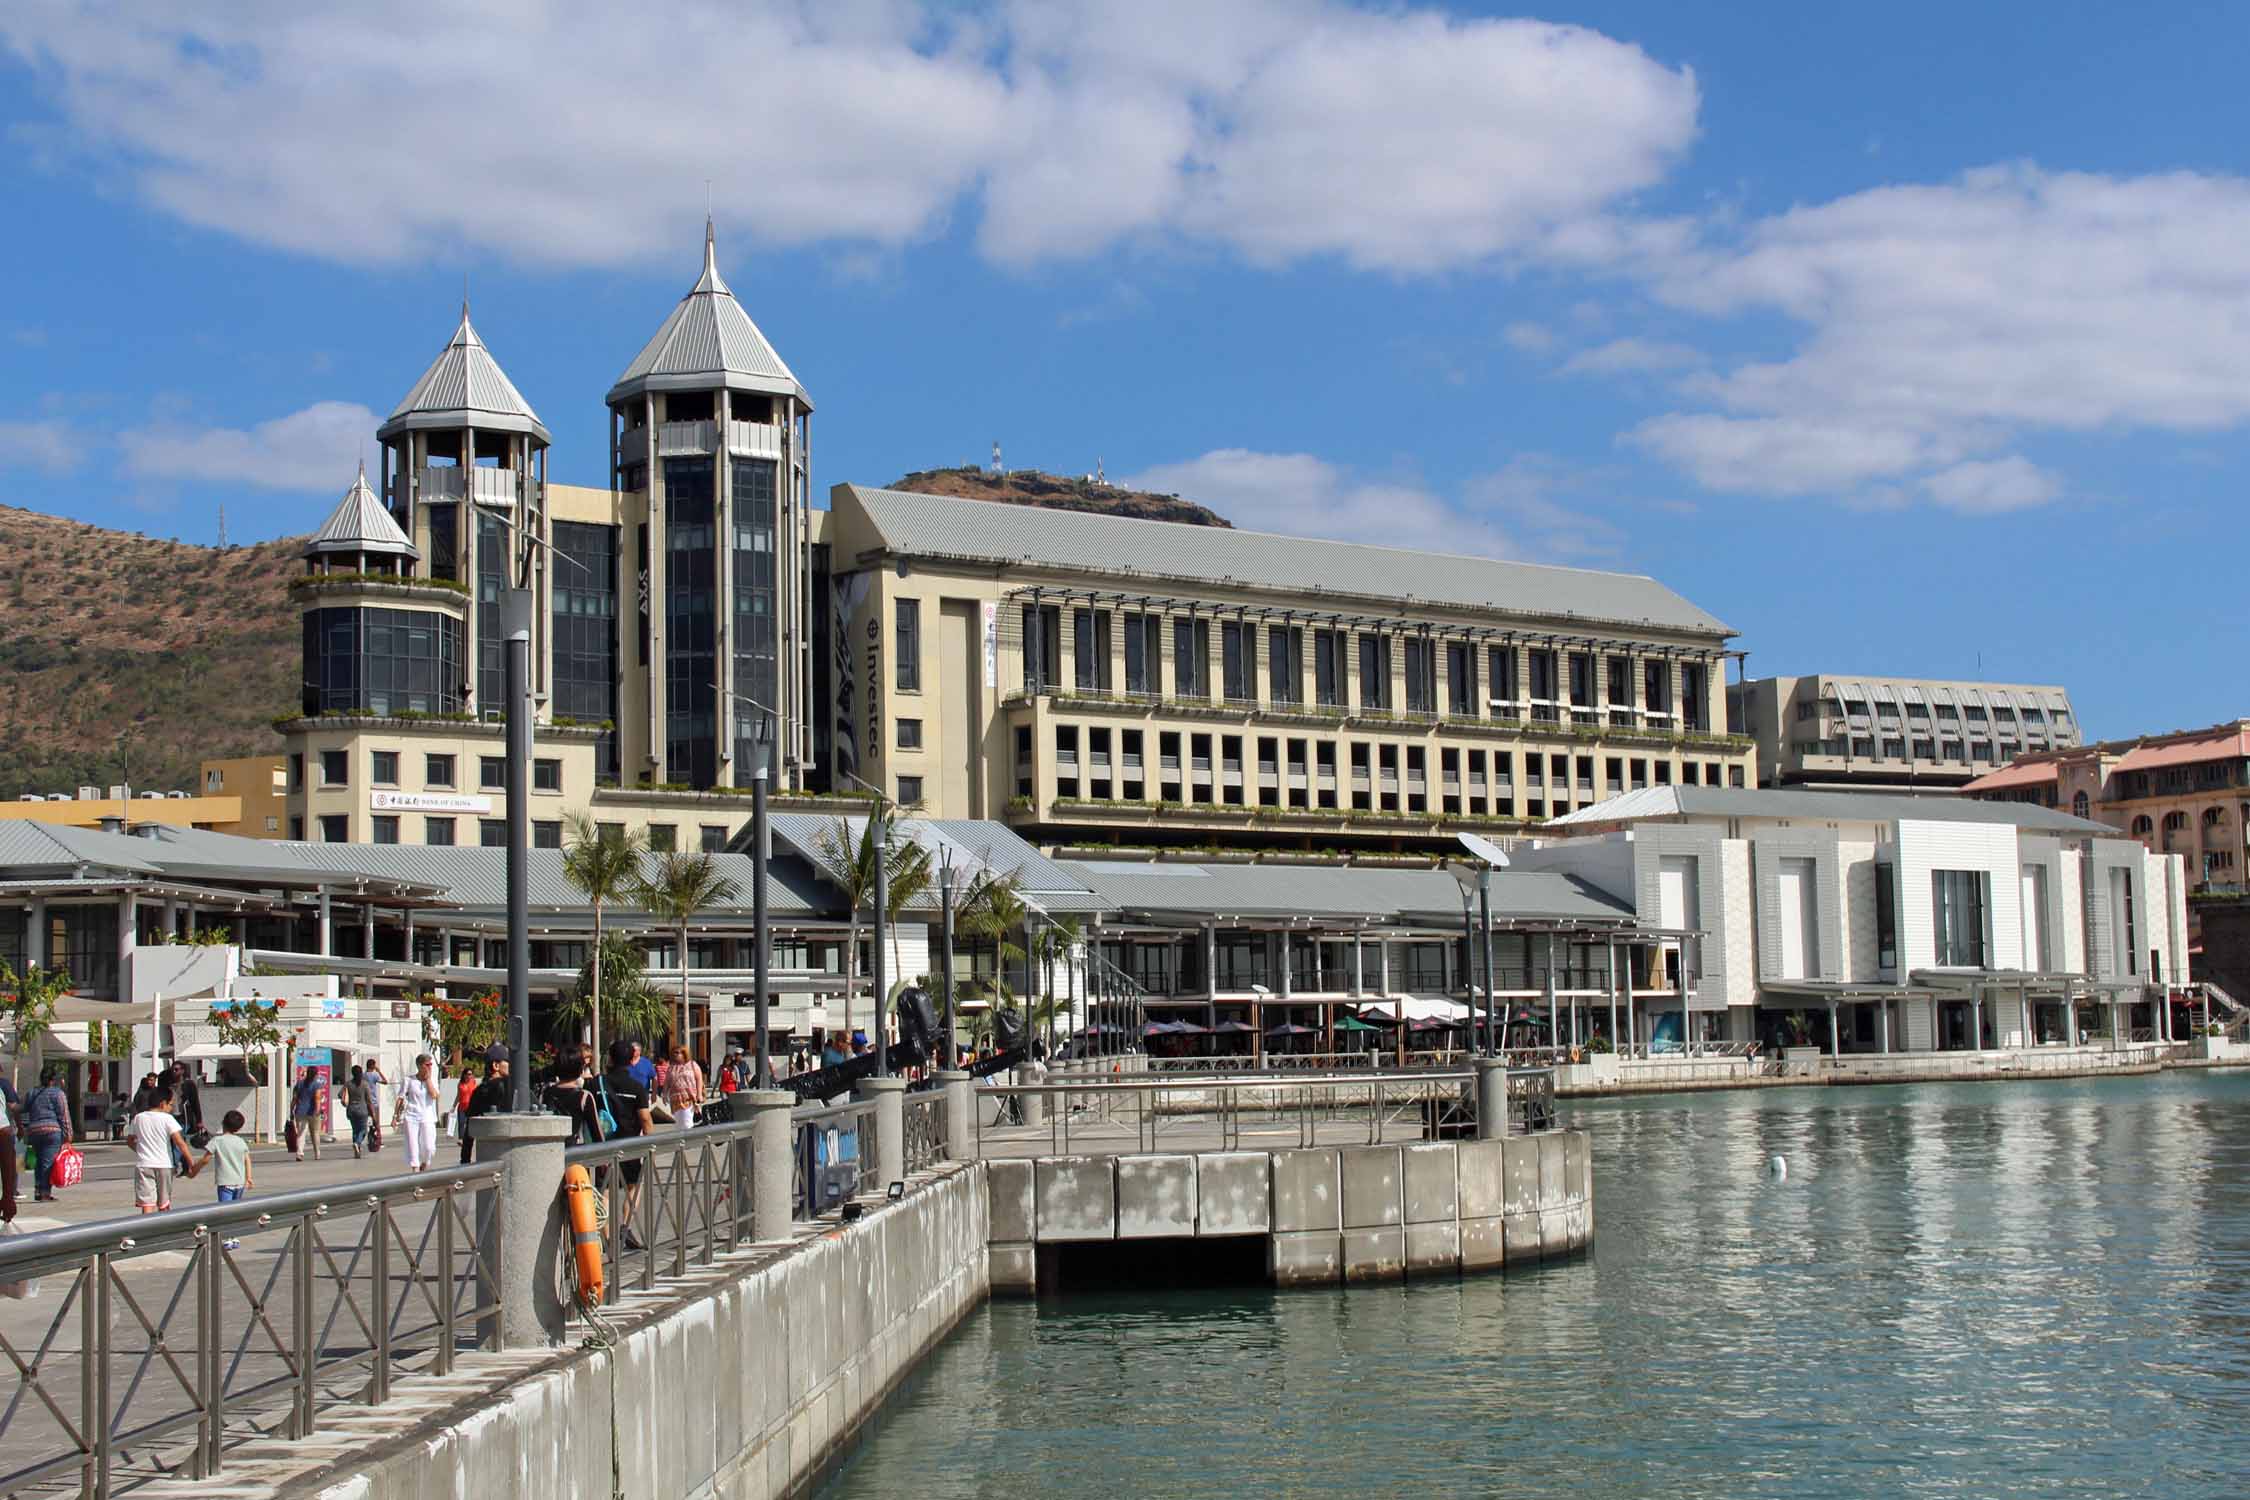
column 1433, row 1194
column 1551, row 1170
column 1014, row 1270
column 1554, row 1233
column 1483, row 1245
column 1574, row 1166
column 1522, row 1233
column 1373, row 1194
column 1234, row 1192
column 1155, row 1197
column 1581, row 1226
column 1375, row 1254
column 1077, row 1198
column 1433, row 1249
column 1479, row 1178
column 1305, row 1259
column 1519, row 1180
column 1306, row 1196
column 1012, row 1203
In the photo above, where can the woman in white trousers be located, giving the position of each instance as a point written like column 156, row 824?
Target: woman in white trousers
column 416, row 1116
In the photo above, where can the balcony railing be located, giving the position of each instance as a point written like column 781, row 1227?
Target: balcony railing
column 757, row 439
column 484, row 486
column 686, row 437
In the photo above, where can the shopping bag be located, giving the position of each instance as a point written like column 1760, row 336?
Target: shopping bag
column 289, row 1138
column 374, row 1137
column 16, row 1291
column 69, row 1169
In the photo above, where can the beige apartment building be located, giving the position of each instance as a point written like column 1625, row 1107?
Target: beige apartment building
column 1103, row 679
column 1900, row 733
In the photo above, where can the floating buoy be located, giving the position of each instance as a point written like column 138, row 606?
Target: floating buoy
column 1778, row 1169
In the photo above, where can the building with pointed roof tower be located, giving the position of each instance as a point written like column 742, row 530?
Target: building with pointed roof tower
column 1089, row 679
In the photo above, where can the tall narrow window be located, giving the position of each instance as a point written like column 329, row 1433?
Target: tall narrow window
column 1886, row 919
column 909, row 648
column 1656, row 681
column 1421, row 675
column 1285, row 664
column 1144, row 653
column 1461, row 680
column 1695, row 694
column 1582, row 687
column 1042, row 647
column 1500, row 662
column 1374, row 672
column 1191, row 657
column 1329, row 669
column 1238, row 660
column 1089, row 644
column 1545, row 702
column 1957, row 917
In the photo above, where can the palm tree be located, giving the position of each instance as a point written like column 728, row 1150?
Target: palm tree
column 674, row 891
column 604, row 864
column 635, row 1007
column 848, row 860
column 1056, row 942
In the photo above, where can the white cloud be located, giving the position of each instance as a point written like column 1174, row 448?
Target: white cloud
column 1301, row 495
column 1529, row 338
column 1395, row 139
column 47, row 444
column 2011, row 483
column 316, row 449
column 1943, row 325
column 1633, row 356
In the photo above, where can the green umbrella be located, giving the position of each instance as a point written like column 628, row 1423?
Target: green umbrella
column 1354, row 1023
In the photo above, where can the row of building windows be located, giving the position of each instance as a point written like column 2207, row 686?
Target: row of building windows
column 1457, row 677
column 1107, row 764
column 381, row 661
column 492, row 833
column 438, row 771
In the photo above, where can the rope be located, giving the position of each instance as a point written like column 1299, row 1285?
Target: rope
column 604, row 1339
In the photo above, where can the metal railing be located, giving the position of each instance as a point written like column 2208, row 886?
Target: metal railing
column 177, row 1337
column 1230, row 1113
column 924, row 1129
column 674, row 1198
column 835, row 1157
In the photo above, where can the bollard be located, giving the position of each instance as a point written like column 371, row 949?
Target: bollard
column 1034, row 1105
column 1493, row 1120
column 889, row 1095
column 960, row 1115
column 528, row 1149
column 772, row 1145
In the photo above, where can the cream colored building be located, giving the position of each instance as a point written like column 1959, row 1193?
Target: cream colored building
column 1097, row 678
column 1843, row 731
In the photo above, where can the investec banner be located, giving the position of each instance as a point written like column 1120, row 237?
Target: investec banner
column 432, row 802
column 855, row 669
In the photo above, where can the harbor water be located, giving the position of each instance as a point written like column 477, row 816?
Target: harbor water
column 1959, row 1290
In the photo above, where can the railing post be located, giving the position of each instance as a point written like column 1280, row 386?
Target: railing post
column 889, row 1096
column 772, row 1145
column 528, row 1149
column 1030, row 1074
column 379, row 1380
column 1493, row 1119
column 449, row 1288
column 960, row 1114
column 301, row 1297
column 208, row 1362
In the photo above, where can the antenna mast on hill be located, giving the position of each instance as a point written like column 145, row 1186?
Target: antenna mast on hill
column 222, row 526
column 996, row 457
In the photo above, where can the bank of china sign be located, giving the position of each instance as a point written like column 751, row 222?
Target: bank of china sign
column 434, row 802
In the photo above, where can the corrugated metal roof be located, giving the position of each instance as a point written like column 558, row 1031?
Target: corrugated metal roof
column 464, row 387
column 989, row 531
column 708, row 341
column 28, row 846
column 360, row 524
column 1847, row 807
column 1337, row 892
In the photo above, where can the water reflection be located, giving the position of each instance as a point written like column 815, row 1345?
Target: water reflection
column 1959, row 1290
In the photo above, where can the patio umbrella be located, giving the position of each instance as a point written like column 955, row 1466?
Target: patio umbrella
column 1234, row 1026
column 1288, row 1028
column 1354, row 1023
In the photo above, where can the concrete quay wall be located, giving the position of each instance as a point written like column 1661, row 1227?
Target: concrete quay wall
column 747, row 1383
column 1327, row 1213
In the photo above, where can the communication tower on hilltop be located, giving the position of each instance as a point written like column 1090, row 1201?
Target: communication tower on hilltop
column 996, row 457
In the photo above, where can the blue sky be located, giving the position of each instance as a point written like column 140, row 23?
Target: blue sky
column 1910, row 341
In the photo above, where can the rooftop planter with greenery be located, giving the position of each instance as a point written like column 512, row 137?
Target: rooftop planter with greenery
column 311, row 583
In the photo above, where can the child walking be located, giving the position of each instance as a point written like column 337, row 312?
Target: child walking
column 232, row 1153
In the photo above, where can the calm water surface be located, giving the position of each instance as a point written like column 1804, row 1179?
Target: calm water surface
column 1998, row 1289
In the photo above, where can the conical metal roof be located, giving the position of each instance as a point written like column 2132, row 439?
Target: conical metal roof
column 707, row 342
column 360, row 524
column 464, row 387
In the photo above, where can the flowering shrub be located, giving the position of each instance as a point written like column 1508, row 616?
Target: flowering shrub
column 459, row 1029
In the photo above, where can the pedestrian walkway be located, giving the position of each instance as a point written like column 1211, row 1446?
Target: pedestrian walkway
column 107, row 1191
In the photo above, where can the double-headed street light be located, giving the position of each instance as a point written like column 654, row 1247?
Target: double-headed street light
column 762, row 747
column 1475, row 873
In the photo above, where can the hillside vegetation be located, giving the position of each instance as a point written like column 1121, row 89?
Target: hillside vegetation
column 1054, row 492
column 192, row 649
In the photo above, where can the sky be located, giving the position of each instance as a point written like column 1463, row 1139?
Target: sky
column 1908, row 340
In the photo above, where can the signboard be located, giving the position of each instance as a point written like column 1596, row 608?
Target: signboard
column 434, row 802
column 847, row 593
column 402, row 1010
column 991, row 644
column 332, row 1009
column 323, row 1063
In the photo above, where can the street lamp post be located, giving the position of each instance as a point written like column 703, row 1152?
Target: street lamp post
column 1467, row 883
column 1484, row 911
column 761, row 774
column 516, row 607
column 951, row 1057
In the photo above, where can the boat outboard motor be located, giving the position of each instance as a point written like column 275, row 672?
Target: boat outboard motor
column 917, row 1021
column 1007, row 1029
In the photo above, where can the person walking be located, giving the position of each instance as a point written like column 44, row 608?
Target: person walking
column 8, row 1152
column 416, row 1114
column 232, row 1154
column 628, row 1103
column 359, row 1107
column 157, row 1143
column 643, row 1069
column 567, row 1097
column 46, row 1124
column 463, row 1090
column 304, row 1113
column 683, row 1088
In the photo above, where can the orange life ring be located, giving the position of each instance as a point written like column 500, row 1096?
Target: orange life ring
column 585, row 1233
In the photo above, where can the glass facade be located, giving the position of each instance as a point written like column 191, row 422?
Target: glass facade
column 757, row 653
column 492, row 643
column 445, row 541
column 691, row 623
column 382, row 660
column 585, row 633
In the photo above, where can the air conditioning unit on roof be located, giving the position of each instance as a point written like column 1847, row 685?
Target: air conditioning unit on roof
column 89, row 794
